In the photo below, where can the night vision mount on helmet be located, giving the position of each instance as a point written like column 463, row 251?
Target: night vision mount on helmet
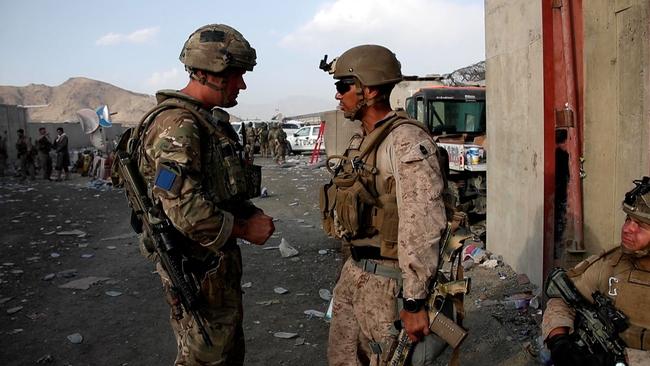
column 372, row 65
column 636, row 203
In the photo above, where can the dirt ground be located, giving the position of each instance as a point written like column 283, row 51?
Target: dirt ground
column 54, row 233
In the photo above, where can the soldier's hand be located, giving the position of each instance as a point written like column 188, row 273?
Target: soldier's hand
column 415, row 324
column 255, row 229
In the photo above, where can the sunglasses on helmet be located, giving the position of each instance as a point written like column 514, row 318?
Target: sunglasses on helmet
column 344, row 85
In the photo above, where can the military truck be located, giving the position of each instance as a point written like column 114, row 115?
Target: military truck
column 455, row 116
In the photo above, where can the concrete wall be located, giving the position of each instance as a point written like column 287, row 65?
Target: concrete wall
column 617, row 112
column 77, row 139
column 12, row 118
column 515, row 133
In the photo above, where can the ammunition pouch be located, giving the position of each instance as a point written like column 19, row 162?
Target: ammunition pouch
column 386, row 219
column 243, row 181
column 352, row 202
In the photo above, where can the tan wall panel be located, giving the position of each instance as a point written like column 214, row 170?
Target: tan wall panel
column 515, row 134
column 616, row 112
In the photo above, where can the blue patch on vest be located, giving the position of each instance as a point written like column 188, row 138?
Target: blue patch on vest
column 165, row 179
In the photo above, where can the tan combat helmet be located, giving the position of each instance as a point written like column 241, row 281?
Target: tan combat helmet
column 215, row 47
column 637, row 201
column 367, row 65
column 371, row 64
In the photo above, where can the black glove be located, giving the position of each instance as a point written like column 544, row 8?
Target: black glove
column 564, row 352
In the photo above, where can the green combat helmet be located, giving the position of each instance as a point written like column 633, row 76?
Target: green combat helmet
column 637, row 201
column 215, row 47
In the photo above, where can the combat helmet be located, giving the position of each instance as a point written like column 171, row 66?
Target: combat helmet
column 215, row 47
column 637, row 201
column 372, row 65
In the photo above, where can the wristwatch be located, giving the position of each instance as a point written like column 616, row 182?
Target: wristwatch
column 413, row 305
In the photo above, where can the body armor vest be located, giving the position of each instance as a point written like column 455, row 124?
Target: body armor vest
column 226, row 178
column 629, row 287
column 625, row 279
column 351, row 207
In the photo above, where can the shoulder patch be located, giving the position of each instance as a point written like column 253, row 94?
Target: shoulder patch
column 581, row 267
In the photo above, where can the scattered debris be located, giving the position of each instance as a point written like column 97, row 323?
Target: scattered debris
column 286, row 250
column 522, row 279
column 45, row 359
column 83, row 283
column 113, row 293
column 87, row 255
column 49, row 276
column 247, row 285
column 76, row 232
column 322, row 252
column 314, row 313
column 37, row 316
column 75, row 338
column 121, row 237
column 325, row 294
column 268, row 302
column 491, row 263
column 68, row 273
column 285, row 335
column 280, row 290
column 14, row 310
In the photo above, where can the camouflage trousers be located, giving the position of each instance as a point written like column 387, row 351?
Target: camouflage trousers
column 222, row 317
column 363, row 313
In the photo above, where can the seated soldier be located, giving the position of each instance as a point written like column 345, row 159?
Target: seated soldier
column 622, row 274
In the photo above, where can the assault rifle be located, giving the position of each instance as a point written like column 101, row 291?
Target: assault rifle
column 160, row 229
column 439, row 324
column 597, row 325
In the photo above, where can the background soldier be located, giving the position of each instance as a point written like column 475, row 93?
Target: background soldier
column 263, row 136
column 205, row 189
column 273, row 139
column 62, row 155
column 622, row 274
column 3, row 154
column 25, row 156
column 44, row 146
column 251, row 137
column 394, row 245
column 280, row 145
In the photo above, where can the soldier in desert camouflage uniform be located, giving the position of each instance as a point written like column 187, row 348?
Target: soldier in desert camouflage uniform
column 385, row 202
column 622, row 274
column 207, row 201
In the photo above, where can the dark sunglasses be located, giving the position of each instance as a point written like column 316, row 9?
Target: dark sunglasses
column 344, row 85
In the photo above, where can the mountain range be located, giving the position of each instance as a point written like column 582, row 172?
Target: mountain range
column 60, row 103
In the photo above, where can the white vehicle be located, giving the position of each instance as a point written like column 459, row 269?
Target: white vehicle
column 291, row 127
column 304, row 140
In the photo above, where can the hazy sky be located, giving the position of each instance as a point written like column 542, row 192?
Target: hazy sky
column 135, row 44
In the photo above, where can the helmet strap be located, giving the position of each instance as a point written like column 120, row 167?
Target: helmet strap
column 203, row 80
column 362, row 101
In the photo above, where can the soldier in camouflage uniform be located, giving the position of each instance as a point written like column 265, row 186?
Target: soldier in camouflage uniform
column 385, row 203
column 263, row 136
column 273, row 139
column 25, row 156
column 280, row 145
column 623, row 275
column 208, row 200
